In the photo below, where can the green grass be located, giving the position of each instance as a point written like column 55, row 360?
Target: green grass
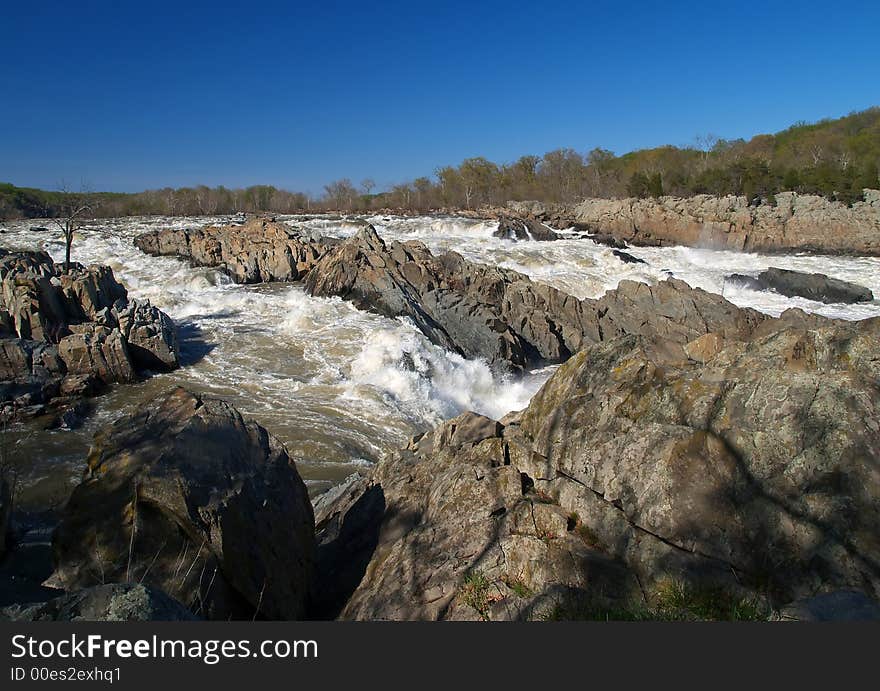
column 670, row 601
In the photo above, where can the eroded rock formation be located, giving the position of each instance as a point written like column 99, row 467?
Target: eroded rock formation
column 66, row 334
column 795, row 222
column 187, row 496
column 750, row 466
column 258, row 251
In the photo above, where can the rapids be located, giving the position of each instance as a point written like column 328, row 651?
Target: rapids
column 340, row 387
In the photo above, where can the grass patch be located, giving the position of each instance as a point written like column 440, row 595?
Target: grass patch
column 670, row 601
column 475, row 592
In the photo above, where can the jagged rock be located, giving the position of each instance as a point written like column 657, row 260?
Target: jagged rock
column 473, row 309
column 753, row 470
column 111, row 602
column 187, row 496
column 151, row 335
column 510, row 228
column 60, row 334
column 817, row 287
column 627, row 258
column 98, row 351
column 258, row 251
column 503, row 316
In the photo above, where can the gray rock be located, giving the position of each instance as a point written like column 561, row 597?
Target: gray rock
column 503, row 316
column 150, row 334
column 111, row 602
column 627, row 258
column 738, row 465
column 840, row 605
column 259, row 251
column 817, row 287
column 187, row 496
column 520, row 229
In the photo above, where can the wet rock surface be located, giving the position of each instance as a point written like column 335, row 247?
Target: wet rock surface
column 502, row 315
column 524, row 229
column 817, row 287
column 186, row 496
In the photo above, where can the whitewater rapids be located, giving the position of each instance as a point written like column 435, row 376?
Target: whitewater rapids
column 338, row 386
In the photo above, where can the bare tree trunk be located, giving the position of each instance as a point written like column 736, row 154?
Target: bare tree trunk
column 68, row 242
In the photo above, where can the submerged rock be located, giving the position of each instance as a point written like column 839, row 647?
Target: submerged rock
column 187, row 496
column 743, row 466
column 627, row 258
column 510, row 228
column 817, row 287
column 111, row 602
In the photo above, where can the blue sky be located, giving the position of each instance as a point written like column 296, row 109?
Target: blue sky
column 128, row 96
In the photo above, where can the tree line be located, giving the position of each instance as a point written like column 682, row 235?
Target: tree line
column 836, row 159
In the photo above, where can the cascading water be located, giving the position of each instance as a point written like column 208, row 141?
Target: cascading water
column 338, row 386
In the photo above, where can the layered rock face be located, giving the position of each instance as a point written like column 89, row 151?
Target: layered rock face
column 795, row 223
column 502, row 315
column 748, row 465
column 258, row 251
column 188, row 497
column 64, row 335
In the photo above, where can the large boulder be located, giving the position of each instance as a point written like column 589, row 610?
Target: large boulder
column 448, row 528
column 817, row 287
column 187, row 496
column 99, row 351
column 518, row 229
column 68, row 334
column 111, row 602
column 258, row 251
column 746, row 467
column 150, row 334
column 502, row 315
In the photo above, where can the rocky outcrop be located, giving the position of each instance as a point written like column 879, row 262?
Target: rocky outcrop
column 512, row 228
column 502, row 315
column 64, row 335
column 187, row 496
column 795, row 222
column 111, row 602
column 750, row 469
column 817, row 287
column 259, row 251
column 150, row 334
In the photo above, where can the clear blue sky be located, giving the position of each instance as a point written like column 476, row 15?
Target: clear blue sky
column 128, row 96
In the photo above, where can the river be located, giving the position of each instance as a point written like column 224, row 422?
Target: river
column 338, row 386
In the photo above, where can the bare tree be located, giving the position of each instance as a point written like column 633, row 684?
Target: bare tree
column 71, row 212
column 367, row 185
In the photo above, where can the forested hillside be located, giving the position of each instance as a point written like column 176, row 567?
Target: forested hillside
column 833, row 158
